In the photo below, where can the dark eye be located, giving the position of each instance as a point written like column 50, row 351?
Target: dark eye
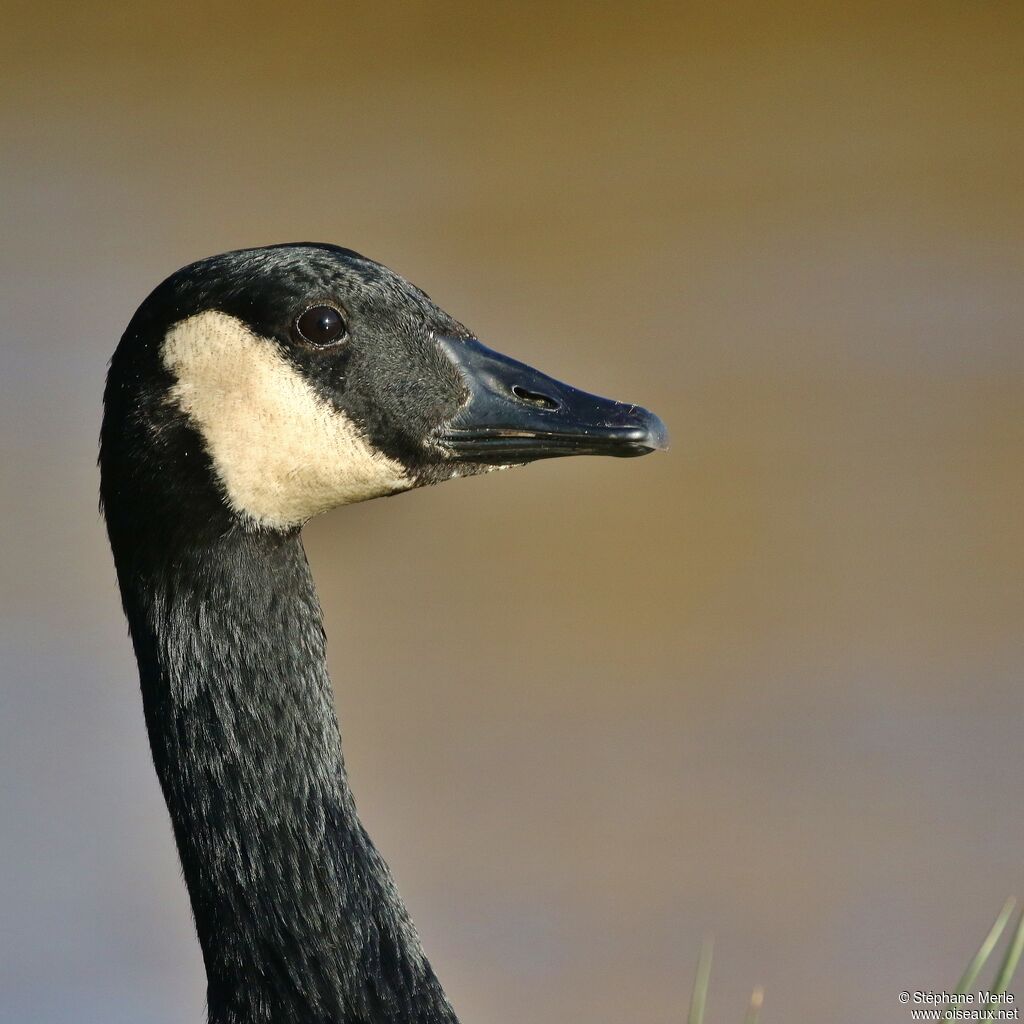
column 321, row 325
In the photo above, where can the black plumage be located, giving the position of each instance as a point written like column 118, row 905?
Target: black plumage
column 296, row 912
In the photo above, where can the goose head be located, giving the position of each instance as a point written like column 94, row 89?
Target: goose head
column 263, row 386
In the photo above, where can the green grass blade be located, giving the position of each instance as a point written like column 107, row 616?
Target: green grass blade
column 984, row 951
column 1013, row 954
column 754, row 1009
column 700, row 984
column 1009, row 965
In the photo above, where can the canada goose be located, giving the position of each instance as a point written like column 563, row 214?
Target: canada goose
column 251, row 391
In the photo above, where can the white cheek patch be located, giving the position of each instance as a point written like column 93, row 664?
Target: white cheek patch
column 282, row 454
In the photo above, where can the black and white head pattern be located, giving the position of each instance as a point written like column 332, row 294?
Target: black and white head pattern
column 290, row 421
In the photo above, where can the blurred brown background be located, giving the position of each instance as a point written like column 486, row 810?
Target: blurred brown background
column 766, row 687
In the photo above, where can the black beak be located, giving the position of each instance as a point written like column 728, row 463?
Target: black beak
column 515, row 413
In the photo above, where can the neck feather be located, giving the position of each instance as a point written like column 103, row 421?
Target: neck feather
column 296, row 912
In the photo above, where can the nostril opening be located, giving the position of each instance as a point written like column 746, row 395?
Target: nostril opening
column 533, row 398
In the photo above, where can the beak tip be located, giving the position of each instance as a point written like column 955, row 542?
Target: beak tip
column 655, row 433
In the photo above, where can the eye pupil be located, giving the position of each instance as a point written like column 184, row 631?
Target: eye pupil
column 321, row 325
